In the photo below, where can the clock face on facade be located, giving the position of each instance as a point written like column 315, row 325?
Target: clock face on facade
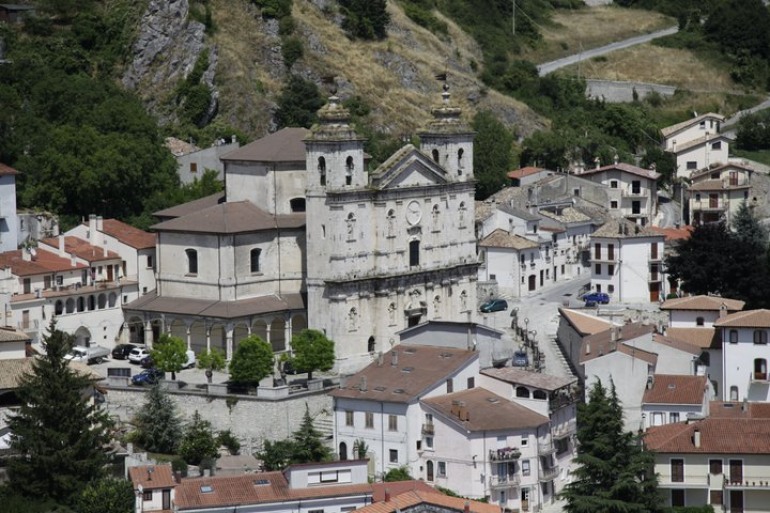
column 413, row 213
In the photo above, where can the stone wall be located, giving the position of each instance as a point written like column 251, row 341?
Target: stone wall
column 251, row 419
column 617, row 92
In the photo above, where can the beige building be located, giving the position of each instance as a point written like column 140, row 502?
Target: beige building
column 717, row 193
column 696, row 143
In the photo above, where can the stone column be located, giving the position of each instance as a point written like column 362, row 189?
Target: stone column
column 229, row 339
column 148, row 337
column 208, row 338
column 189, row 336
column 288, row 333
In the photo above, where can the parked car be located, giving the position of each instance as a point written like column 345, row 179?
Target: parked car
column 494, row 305
column 147, row 363
column 137, row 354
column 121, row 351
column 596, row 297
column 148, row 377
column 520, row 359
column 90, row 354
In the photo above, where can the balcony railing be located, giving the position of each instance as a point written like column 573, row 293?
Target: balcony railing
column 548, row 474
column 504, row 454
column 427, row 429
column 759, row 376
column 545, row 448
column 634, row 193
column 713, row 206
column 564, row 430
column 689, row 481
column 505, row 481
column 756, row 483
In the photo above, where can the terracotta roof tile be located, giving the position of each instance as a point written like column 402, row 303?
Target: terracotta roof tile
column 717, row 185
column 152, row 477
column 675, row 389
column 678, row 344
column 286, row 145
column 525, row 171
column 407, row 501
column 628, row 168
column 674, row 234
column 717, row 436
column 736, row 410
column 81, row 249
column 747, row 319
column 623, row 229
column 7, row 170
column 502, row 239
column 395, row 488
column 713, row 303
column 534, row 379
column 719, row 168
column 600, row 344
column 127, row 234
column 418, row 369
column 485, row 411
column 584, row 323
column 704, row 338
column 45, row 262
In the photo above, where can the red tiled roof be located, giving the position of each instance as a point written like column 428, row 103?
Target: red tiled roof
column 747, row 319
column 396, row 488
column 583, row 323
column 82, row 249
column 484, row 411
column 717, row 436
column 674, row 234
column 45, row 262
column 676, row 389
column 152, row 477
column 678, row 344
column 703, row 303
column 600, row 344
column 7, row 170
column 129, row 235
column 734, row 410
column 418, row 368
column 701, row 337
column 407, row 501
column 524, row 171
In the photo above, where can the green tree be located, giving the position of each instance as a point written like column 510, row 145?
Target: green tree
column 753, row 131
column 58, row 429
column 212, row 360
column 397, row 474
column 298, row 103
column 614, row 474
column 740, row 26
column 169, row 354
column 308, row 443
column 312, row 351
column 365, row 19
column 107, row 496
column 158, row 426
column 491, row 154
column 252, row 362
column 748, row 230
column 276, row 455
column 198, row 442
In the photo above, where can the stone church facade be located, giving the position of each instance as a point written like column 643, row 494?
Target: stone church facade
column 306, row 236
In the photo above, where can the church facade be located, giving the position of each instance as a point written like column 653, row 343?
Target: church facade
column 306, row 236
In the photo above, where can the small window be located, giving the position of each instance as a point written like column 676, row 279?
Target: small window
column 760, row 337
column 147, row 495
column 733, row 336
column 613, row 184
column 434, row 153
column 369, row 420
column 522, row 392
column 691, row 164
column 673, row 417
column 441, row 469
column 611, row 270
column 598, row 269
column 192, row 261
column 149, row 261
column 393, row 456
column 349, row 418
column 525, row 468
column 717, row 145
column 460, row 161
column 255, row 255
column 297, row 204
column 610, row 288
column 450, row 386
column 733, row 393
column 414, row 253
column 349, row 171
column 471, row 382
column 392, row 423
column 715, row 467
column 193, row 167
column 429, row 442
column 322, row 170
column 613, row 204
column 699, row 321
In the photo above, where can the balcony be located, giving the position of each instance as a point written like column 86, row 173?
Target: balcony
column 545, row 448
column 634, row 193
column 427, row 429
column 759, row 377
column 747, row 483
column 503, row 482
column 564, row 430
column 709, row 206
column 690, row 481
column 548, row 474
column 504, row 454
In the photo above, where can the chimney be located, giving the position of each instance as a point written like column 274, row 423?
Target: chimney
column 92, row 229
column 100, row 223
column 387, row 495
column 696, row 438
column 73, row 262
column 616, row 159
column 380, row 359
column 462, row 412
column 62, row 249
column 722, row 310
column 455, row 409
column 588, row 348
column 362, row 387
column 745, row 405
column 467, row 507
column 25, row 254
column 394, row 359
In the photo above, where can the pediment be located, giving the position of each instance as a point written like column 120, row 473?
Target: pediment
column 408, row 167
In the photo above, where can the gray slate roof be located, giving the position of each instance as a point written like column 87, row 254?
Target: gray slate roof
column 286, row 145
column 235, row 217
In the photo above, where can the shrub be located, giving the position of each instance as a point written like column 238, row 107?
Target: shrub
column 291, row 51
column 227, row 439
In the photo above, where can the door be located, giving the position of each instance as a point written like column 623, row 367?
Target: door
column 525, row 499
column 736, row 501
column 167, row 499
column 532, row 282
column 713, row 201
column 109, row 273
column 27, row 285
column 736, row 471
column 654, row 291
column 429, row 468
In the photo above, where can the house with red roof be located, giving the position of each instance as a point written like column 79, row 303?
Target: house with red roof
column 527, row 175
column 717, row 192
column 722, row 461
column 671, row 398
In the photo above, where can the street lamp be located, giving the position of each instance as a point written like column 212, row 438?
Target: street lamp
column 526, row 330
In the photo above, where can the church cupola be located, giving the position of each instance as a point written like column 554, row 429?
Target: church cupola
column 448, row 140
column 334, row 152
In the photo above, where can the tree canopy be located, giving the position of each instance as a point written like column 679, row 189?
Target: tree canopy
column 198, row 442
column 492, row 155
column 365, row 19
column 305, row 446
column 158, row 426
column 58, row 429
column 252, row 362
column 298, row 103
column 614, row 474
column 312, row 351
column 107, row 496
column 169, row 354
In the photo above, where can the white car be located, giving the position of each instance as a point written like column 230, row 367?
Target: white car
column 137, row 353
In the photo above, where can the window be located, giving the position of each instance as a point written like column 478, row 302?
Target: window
column 147, row 495
column 715, row 467
column 677, row 498
column 450, row 386
column 715, row 497
column 392, row 423
column 149, row 261
column 393, row 453
column 255, row 254
column 613, row 184
column 460, row 161
column 673, row 417
column 733, row 336
column 297, row 204
column 351, row 226
column 611, row 288
column 522, row 392
column 349, row 171
column 636, row 207
column 414, row 253
column 192, row 261
column 611, row 270
column 597, row 251
column 699, row 321
column 636, row 187
column 441, row 469
column 733, row 393
column 429, row 442
column 598, row 269
column 471, row 382
column 691, row 164
column 677, row 470
column 717, row 145
column 524, row 441
column 429, row 470
column 760, row 337
column 193, row 167
column 434, row 154
column 59, row 309
column 322, row 170
column 349, row 418
column 369, row 420
column 525, row 470
column 613, row 204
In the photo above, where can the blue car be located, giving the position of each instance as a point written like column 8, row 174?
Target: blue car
column 148, row 377
column 494, row 305
column 596, row 297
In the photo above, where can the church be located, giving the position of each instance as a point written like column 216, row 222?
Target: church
column 305, row 235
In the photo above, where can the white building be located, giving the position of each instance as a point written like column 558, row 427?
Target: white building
column 716, row 193
column 627, row 262
column 8, row 221
column 633, row 192
column 671, row 398
column 193, row 161
column 745, row 355
column 696, row 143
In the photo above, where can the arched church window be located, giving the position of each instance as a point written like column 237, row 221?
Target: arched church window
column 391, row 219
column 322, row 170
column 254, row 260
column 414, row 253
column 192, row 261
column 349, row 171
column 435, row 155
column 460, row 161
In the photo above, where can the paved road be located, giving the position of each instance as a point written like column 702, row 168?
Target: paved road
column 549, row 67
column 728, row 127
column 669, row 212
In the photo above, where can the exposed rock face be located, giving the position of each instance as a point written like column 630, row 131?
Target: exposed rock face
column 165, row 51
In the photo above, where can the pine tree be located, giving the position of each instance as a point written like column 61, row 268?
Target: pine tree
column 198, row 443
column 615, row 475
column 308, row 444
column 58, row 430
column 158, row 427
column 748, row 229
